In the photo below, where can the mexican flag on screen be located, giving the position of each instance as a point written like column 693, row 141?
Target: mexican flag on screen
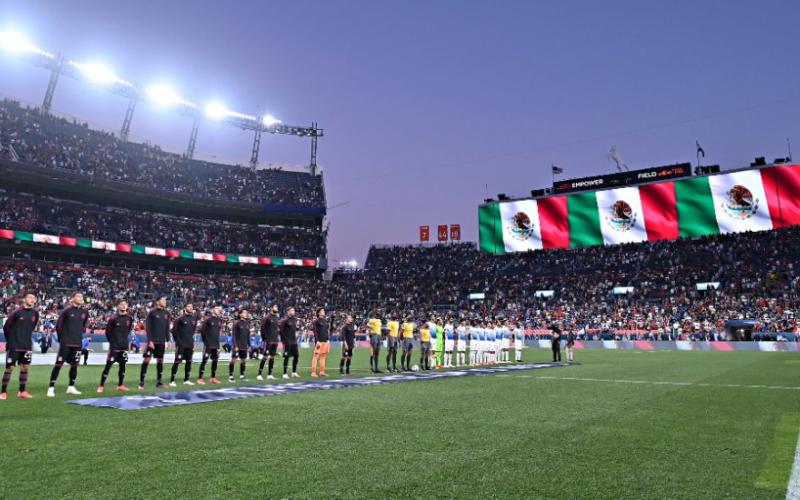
column 750, row 200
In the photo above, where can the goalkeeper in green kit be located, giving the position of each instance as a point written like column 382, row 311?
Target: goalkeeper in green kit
column 439, row 344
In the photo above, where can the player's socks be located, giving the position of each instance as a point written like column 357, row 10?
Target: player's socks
column 121, row 376
column 285, row 365
column 294, row 364
column 142, row 373
column 271, row 365
column 388, row 358
column 23, row 380
column 347, row 366
column 73, row 373
column 241, row 369
column 214, row 364
column 54, row 374
column 173, row 372
column 341, row 365
column 230, row 368
column 6, row 378
column 261, row 365
column 159, row 371
column 187, row 370
column 104, row 375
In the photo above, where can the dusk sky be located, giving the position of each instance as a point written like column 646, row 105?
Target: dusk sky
column 425, row 104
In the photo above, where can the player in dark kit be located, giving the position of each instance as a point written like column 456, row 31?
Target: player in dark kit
column 183, row 335
column 157, row 328
column 70, row 327
column 348, row 344
column 118, row 328
column 209, row 332
column 270, row 336
column 19, row 346
column 555, row 342
column 241, row 342
column 288, row 333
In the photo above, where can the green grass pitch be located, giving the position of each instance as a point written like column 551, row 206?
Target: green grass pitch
column 622, row 424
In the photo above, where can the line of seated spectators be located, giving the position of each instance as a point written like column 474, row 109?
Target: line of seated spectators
column 53, row 142
column 69, row 218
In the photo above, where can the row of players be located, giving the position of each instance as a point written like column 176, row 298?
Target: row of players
column 440, row 345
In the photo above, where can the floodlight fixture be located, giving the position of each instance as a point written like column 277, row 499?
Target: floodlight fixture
column 165, row 95
column 100, row 73
column 269, row 120
column 216, row 110
column 17, row 43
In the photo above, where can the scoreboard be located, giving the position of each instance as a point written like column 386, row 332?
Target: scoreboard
column 623, row 178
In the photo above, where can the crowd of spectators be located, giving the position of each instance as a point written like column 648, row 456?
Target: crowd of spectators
column 755, row 271
column 68, row 218
column 52, row 142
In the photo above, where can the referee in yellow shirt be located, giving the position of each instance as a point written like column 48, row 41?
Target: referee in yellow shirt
column 408, row 344
column 425, row 347
column 393, row 328
column 375, row 324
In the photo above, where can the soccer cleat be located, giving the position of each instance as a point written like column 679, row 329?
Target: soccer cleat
column 285, row 376
column 231, row 379
column 259, row 377
column 270, row 377
column 242, row 377
column 188, row 382
column 173, row 384
column 51, row 392
column 3, row 396
column 162, row 386
column 141, row 387
column 100, row 389
column 323, row 374
column 72, row 390
column 215, row 380
column 313, row 375
column 122, row 388
column 295, row 375
column 24, row 395
column 200, row 381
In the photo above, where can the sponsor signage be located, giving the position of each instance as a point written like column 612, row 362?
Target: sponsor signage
column 623, row 178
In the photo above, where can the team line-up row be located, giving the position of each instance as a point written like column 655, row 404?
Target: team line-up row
column 441, row 345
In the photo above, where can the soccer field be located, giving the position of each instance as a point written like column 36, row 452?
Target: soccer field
column 621, row 424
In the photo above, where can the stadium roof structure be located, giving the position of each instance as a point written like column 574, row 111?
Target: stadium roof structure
column 100, row 74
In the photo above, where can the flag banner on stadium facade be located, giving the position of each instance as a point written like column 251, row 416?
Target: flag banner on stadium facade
column 441, row 232
column 171, row 253
column 747, row 200
column 145, row 401
column 424, row 233
column 455, row 232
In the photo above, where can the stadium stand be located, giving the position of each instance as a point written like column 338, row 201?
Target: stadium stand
column 29, row 137
column 755, row 271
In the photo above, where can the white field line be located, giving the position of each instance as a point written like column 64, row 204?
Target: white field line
column 666, row 382
column 793, row 488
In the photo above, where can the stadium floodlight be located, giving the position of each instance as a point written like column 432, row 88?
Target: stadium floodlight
column 269, row 120
column 99, row 73
column 17, row 43
column 216, row 110
column 164, row 95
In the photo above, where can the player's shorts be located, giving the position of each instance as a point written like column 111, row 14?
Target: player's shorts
column 449, row 345
column 322, row 348
column 425, row 346
column 506, row 343
column 393, row 343
column 68, row 354
column 375, row 341
column 347, row 349
column 211, row 352
column 291, row 350
column 183, row 354
column 118, row 357
column 518, row 345
column 239, row 353
column 462, row 346
column 271, row 348
column 408, row 345
column 18, row 358
column 157, row 351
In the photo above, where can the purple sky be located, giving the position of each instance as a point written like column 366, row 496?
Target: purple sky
column 425, row 103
